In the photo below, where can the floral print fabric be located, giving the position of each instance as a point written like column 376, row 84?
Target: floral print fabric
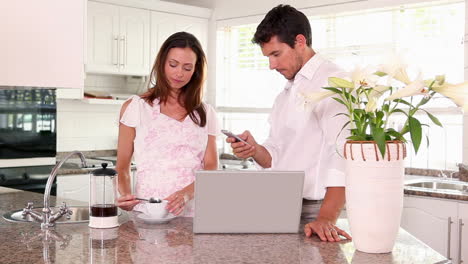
column 167, row 152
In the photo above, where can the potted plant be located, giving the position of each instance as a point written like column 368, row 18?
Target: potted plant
column 374, row 152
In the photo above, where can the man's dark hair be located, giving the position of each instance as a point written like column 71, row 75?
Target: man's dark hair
column 285, row 22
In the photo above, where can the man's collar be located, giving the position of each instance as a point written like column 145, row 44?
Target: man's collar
column 308, row 70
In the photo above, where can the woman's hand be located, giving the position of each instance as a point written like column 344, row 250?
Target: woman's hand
column 127, row 202
column 176, row 201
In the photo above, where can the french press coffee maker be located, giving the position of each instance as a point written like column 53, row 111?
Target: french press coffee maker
column 103, row 197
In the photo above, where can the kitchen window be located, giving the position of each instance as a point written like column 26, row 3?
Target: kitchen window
column 429, row 34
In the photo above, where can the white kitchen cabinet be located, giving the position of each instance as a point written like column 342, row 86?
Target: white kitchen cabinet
column 462, row 223
column 164, row 24
column 73, row 187
column 76, row 187
column 42, row 43
column 440, row 223
column 118, row 40
column 433, row 221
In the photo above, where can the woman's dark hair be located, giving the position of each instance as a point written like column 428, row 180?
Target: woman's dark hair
column 285, row 22
column 191, row 94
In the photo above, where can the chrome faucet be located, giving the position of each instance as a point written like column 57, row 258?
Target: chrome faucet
column 442, row 174
column 47, row 218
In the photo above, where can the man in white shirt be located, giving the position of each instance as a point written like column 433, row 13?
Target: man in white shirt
column 299, row 139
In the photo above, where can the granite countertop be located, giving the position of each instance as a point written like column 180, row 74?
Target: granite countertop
column 174, row 242
column 73, row 166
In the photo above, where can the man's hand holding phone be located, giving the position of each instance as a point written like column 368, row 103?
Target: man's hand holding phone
column 243, row 145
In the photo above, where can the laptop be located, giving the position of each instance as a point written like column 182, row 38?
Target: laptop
column 248, row 201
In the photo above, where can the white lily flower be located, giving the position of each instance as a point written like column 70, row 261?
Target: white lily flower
column 371, row 105
column 378, row 91
column 414, row 88
column 458, row 93
column 308, row 101
column 363, row 77
column 396, row 69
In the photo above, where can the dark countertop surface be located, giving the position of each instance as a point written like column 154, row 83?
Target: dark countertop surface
column 174, row 242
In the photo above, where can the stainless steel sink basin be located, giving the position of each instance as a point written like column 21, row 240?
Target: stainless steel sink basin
column 437, row 185
column 80, row 215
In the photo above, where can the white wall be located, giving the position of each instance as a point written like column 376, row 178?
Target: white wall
column 247, row 9
column 465, row 117
column 227, row 9
column 42, row 43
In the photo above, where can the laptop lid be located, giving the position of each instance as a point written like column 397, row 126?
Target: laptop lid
column 248, row 201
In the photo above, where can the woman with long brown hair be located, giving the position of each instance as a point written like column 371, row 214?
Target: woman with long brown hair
column 169, row 130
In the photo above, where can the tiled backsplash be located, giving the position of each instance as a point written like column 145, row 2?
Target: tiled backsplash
column 82, row 126
column 115, row 84
column 85, row 127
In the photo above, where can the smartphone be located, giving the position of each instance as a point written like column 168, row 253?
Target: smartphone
column 230, row 134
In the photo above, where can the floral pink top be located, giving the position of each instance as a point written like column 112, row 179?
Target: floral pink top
column 167, row 152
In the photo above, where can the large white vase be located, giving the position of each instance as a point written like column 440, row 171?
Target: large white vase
column 374, row 193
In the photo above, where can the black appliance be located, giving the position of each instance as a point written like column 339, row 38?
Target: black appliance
column 28, row 122
column 32, row 178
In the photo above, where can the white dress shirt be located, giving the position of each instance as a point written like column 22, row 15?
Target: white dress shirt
column 301, row 140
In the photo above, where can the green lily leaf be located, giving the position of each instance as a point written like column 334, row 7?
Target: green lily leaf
column 399, row 111
column 393, row 133
column 415, row 132
column 403, row 102
column 344, row 126
column 379, row 115
column 333, row 89
column 379, row 137
column 385, row 108
column 434, row 119
column 339, row 101
column 347, row 115
column 356, row 138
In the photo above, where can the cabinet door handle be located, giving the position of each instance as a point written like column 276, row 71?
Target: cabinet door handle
column 122, row 58
column 125, row 51
column 115, row 51
column 449, row 237
column 460, row 227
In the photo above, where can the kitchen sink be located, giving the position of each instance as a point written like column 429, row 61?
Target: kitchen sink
column 439, row 185
column 80, row 215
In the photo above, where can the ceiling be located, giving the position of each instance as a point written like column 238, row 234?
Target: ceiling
column 199, row 3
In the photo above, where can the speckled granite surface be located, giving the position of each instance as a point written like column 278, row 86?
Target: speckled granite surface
column 138, row 242
column 463, row 172
column 90, row 154
column 73, row 171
